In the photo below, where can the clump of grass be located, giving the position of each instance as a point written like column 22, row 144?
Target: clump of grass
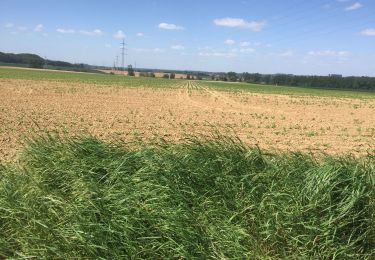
column 204, row 198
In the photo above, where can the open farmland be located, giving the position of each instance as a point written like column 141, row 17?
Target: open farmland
column 113, row 106
column 101, row 183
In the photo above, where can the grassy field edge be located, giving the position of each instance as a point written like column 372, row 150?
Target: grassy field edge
column 204, row 198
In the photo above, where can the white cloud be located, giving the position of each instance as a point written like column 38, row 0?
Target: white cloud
column 247, row 50
column 119, row 35
column 140, row 34
column 170, row 26
column 154, row 50
column 9, row 25
column 229, row 42
column 96, row 32
column 107, row 45
column 329, row 53
column 368, row 32
column 354, row 6
column 205, row 48
column 158, row 50
column 39, row 28
column 245, row 44
column 210, row 52
column 65, row 31
column 218, row 54
column 288, row 53
column 178, row 47
column 240, row 23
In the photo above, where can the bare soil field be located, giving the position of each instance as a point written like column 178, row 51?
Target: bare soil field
column 281, row 122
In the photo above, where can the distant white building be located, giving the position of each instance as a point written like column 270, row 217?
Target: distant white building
column 335, row 75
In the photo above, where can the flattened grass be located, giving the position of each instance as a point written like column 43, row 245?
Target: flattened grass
column 205, row 198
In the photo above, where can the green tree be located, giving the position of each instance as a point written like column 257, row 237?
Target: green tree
column 232, row 76
column 36, row 63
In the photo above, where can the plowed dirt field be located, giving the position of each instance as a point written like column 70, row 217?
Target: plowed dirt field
column 282, row 122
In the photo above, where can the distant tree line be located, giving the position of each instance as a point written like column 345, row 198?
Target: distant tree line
column 32, row 60
column 332, row 81
column 35, row 61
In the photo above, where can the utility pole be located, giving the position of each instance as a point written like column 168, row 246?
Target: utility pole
column 123, row 48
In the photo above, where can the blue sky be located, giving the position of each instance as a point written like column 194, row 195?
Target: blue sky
column 270, row 36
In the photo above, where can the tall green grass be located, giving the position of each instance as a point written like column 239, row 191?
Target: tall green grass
column 289, row 90
column 205, row 198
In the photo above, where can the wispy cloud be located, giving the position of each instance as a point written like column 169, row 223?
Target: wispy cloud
column 247, row 50
column 218, row 54
column 354, row 6
column 178, row 47
column 96, row 32
column 229, row 42
column 140, row 34
column 329, row 53
column 9, row 25
column 254, row 44
column 368, row 32
column 158, row 50
column 224, row 53
column 285, row 54
column 154, row 50
column 170, row 26
column 119, row 35
column 39, row 28
column 65, row 31
column 240, row 23
column 22, row 28
column 245, row 44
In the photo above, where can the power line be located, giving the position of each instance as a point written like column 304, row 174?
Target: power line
column 123, row 48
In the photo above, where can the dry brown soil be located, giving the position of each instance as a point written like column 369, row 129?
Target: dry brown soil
column 282, row 122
